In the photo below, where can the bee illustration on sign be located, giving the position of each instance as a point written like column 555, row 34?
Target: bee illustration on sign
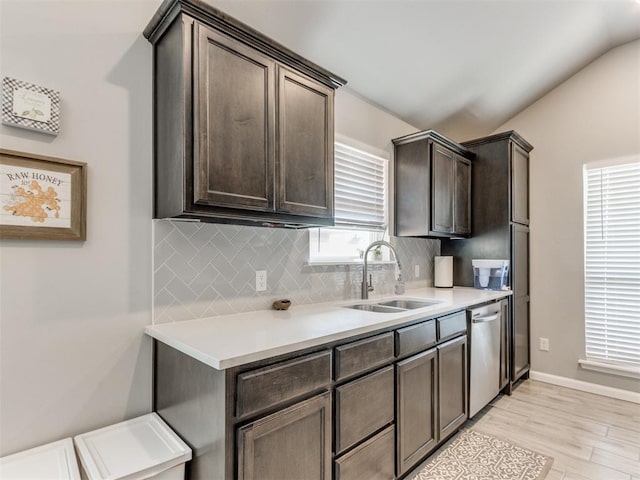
column 34, row 202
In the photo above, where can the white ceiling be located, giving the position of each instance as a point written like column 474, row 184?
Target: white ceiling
column 460, row 67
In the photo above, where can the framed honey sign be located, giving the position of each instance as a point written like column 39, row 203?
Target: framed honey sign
column 42, row 197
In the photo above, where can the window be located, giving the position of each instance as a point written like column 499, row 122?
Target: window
column 360, row 187
column 360, row 207
column 612, row 267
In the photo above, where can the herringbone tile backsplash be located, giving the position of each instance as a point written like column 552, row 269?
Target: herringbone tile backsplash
column 203, row 270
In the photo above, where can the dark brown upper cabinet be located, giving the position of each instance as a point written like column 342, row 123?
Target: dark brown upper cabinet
column 234, row 113
column 305, row 146
column 442, row 185
column 462, row 196
column 432, row 186
column 243, row 127
column 519, row 184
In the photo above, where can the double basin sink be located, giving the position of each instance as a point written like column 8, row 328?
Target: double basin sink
column 394, row 306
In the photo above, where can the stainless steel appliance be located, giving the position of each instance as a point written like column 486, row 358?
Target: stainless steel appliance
column 484, row 355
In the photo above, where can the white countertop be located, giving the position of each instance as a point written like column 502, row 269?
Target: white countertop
column 230, row 340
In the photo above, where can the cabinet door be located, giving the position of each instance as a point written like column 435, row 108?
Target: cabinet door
column 462, row 196
column 305, row 146
column 520, row 299
column 442, row 187
column 519, row 185
column 520, row 340
column 452, row 386
column 292, row 444
column 234, row 124
column 416, row 420
column 505, row 344
column 520, row 260
column 412, row 190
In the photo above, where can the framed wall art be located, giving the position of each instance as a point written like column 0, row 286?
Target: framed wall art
column 30, row 106
column 42, row 197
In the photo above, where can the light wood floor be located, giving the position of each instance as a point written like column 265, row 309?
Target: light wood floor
column 589, row 436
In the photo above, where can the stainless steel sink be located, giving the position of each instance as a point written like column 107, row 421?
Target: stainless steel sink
column 393, row 306
column 409, row 304
column 370, row 307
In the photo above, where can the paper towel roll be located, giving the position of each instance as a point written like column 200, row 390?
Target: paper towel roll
column 443, row 271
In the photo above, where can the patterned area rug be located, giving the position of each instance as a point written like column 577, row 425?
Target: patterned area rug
column 471, row 455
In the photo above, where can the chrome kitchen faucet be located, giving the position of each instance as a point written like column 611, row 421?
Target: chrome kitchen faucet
column 367, row 285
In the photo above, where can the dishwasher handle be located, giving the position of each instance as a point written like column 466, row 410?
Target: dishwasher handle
column 487, row 318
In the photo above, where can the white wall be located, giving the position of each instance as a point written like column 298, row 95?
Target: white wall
column 595, row 115
column 72, row 352
column 365, row 123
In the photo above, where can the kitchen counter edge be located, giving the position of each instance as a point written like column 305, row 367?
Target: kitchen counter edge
column 228, row 341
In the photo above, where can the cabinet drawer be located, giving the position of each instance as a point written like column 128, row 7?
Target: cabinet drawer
column 372, row 460
column 452, row 325
column 363, row 406
column 262, row 388
column 357, row 357
column 415, row 338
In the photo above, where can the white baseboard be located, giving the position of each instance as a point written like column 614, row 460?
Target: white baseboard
column 618, row 393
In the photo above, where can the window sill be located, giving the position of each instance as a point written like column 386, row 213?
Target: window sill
column 315, row 263
column 602, row 367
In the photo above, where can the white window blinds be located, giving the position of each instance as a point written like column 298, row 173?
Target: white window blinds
column 612, row 264
column 360, row 186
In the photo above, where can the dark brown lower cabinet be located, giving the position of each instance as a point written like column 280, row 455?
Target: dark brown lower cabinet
column 520, row 339
column 416, row 418
column 363, row 406
column 505, row 344
column 373, row 460
column 452, row 386
column 520, row 302
column 373, row 411
column 291, row 444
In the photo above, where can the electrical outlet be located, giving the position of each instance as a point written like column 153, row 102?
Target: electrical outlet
column 544, row 344
column 261, row 280
column 416, row 271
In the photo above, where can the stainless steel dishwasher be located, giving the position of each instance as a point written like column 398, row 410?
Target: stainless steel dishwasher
column 484, row 355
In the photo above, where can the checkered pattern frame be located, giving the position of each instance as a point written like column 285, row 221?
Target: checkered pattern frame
column 52, row 127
